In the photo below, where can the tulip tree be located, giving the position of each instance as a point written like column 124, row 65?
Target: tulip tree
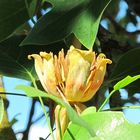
column 79, row 51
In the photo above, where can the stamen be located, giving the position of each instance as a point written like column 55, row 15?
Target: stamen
column 61, row 94
column 93, row 68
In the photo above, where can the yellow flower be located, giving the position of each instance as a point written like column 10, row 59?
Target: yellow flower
column 76, row 76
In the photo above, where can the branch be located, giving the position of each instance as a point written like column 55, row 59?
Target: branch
column 49, row 134
column 119, row 28
column 40, row 117
column 26, row 132
column 15, row 94
column 121, row 108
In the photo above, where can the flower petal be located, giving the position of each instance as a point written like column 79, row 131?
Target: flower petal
column 97, row 77
column 79, row 68
column 49, row 77
column 39, row 67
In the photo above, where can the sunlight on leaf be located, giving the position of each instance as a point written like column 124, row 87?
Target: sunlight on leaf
column 79, row 17
column 89, row 110
column 126, row 81
column 107, row 125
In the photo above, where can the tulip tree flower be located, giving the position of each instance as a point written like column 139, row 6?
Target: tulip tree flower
column 75, row 77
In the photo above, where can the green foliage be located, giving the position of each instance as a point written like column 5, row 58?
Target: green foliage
column 107, row 125
column 128, row 64
column 14, row 61
column 73, row 116
column 79, row 17
column 121, row 84
column 126, row 81
column 13, row 13
column 1, row 109
column 32, row 6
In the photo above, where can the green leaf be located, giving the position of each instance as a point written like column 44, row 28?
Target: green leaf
column 73, row 116
column 32, row 6
column 79, row 17
column 128, row 64
column 126, row 81
column 1, row 109
column 14, row 120
column 13, row 60
column 22, row 30
column 13, row 13
column 89, row 110
column 107, row 125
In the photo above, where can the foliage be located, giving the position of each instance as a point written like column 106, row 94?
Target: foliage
column 31, row 92
column 31, row 26
column 1, row 109
column 107, row 125
column 78, row 17
column 92, row 124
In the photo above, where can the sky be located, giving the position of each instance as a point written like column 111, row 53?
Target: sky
column 20, row 106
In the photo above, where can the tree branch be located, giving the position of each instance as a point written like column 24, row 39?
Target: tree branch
column 26, row 132
column 119, row 28
column 15, row 94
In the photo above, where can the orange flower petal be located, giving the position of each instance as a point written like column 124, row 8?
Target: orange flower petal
column 97, row 78
column 79, row 68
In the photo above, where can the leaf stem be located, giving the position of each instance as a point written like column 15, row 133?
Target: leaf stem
column 124, row 107
column 106, row 100
column 59, row 124
column 47, row 117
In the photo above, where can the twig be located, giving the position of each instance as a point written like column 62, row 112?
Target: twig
column 120, row 28
column 106, row 100
column 40, row 117
column 43, row 106
column 26, row 132
column 124, row 107
column 13, row 94
column 49, row 134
